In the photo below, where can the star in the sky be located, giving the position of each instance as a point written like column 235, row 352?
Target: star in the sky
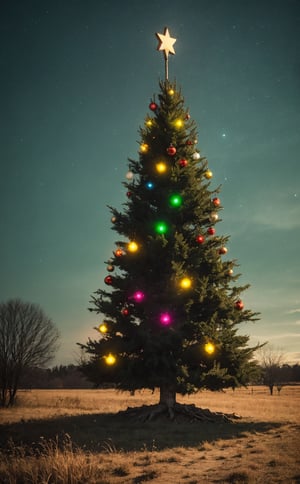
column 166, row 42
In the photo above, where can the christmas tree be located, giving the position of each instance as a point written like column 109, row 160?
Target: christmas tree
column 172, row 308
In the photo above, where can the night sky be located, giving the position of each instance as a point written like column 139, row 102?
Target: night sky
column 76, row 80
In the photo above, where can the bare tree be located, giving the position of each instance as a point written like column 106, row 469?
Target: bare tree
column 270, row 360
column 28, row 338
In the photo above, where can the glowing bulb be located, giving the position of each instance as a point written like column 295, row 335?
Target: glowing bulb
column 144, row 148
column 161, row 227
column 103, row 328
column 133, row 246
column 138, row 296
column 209, row 348
column 149, row 122
column 165, row 319
column 178, row 123
column 118, row 252
column 149, row 185
column 171, row 92
column 161, row 167
column 110, row 359
column 185, row 283
column 175, row 200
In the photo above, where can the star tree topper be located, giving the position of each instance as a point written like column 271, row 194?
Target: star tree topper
column 166, row 44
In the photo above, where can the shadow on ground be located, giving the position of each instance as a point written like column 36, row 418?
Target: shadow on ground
column 111, row 432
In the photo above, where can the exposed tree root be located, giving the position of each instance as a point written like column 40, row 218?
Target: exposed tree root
column 178, row 411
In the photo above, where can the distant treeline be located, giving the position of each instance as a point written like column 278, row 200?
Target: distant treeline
column 287, row 374
column 57, row 377
column 70, row 377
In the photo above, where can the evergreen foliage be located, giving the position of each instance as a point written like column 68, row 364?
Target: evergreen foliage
column 157, row 325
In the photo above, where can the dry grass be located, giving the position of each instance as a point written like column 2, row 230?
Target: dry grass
column 75, row 436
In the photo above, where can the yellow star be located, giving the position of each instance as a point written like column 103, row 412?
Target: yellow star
column 166, row 42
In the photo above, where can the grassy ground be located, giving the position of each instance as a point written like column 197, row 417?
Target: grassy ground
column 76, row 436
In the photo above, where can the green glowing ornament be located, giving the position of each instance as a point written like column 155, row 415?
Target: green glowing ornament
column 175, row 200
column 161, row 227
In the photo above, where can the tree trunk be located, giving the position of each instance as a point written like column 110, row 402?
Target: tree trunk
column 12, row 396
column 3, row 399
column 168, row 406
column 167, row 395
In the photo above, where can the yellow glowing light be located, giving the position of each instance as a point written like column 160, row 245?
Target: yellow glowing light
column 110, row 359
column 144, row 148
column 133, row 246
column 171, row 92
column 103, row 328
column 149, row 122
column 161, row 167
column 209, row 348
column 185, row 283
column 179, row 123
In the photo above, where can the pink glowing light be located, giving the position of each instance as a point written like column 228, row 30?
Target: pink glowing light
column 165, row 319
column 138, row 296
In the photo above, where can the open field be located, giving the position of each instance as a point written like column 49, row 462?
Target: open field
column 76, row 436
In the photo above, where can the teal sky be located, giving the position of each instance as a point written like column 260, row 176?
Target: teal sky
column 76, row 80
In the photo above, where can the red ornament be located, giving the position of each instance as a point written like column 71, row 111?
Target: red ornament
column 153, row 106
column 211, row 231
column 189, row 142
column 216, row 201
column 108, row 280
column 239, row 305
column 200, row 239
column 125, row 312
column 183, row 163
column 118, row 252
column 187, row 116
column 171, row 150
column 129, row 194
column 223, row 250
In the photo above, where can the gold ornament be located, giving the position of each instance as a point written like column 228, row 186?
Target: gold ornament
column 208, row 174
